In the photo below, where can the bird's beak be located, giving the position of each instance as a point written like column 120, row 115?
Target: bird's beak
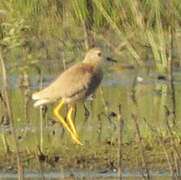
column 111, row 60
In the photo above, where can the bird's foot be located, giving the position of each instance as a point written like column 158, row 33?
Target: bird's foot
column 77, row 140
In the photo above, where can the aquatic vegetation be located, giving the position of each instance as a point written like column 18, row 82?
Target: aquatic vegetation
column 141, row 28
column 131, row 122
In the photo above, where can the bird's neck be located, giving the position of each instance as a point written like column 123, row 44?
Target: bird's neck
column 96, row 64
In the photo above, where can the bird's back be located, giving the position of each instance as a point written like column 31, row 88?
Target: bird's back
column 78, row 81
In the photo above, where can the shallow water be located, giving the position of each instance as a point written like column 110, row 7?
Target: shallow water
column 99, row 127
column 80, row 175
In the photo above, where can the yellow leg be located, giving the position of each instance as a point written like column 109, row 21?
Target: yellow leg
column 63, row 122
column 70, row 120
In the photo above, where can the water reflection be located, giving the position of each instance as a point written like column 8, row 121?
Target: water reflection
column 98, row 130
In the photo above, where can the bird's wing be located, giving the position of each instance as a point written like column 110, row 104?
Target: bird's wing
column 74, row 80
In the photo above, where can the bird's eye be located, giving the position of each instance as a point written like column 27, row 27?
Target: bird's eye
column 99, row 54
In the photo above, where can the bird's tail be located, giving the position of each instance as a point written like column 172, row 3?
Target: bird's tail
column 39, row 100
column 35, row 96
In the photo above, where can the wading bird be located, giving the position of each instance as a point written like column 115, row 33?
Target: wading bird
column 72, row 86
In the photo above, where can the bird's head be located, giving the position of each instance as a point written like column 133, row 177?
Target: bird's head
column 93, row 56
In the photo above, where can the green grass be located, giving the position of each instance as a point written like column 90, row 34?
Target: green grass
column 142, row 26
column 132, row 31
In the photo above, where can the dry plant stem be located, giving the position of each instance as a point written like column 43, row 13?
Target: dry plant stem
column 171, row 79
column 99, row 131
column 169, row 160
column 6, row 146
column 63, row 60
column 41, row 119
column 141, row 147
column 86, row 36
column 26, row 91
column 62, row 172
column 165, row 149
column 104, row 101
column 173, row 143
column 86, row 113
column 133, row 91
column 120, row 141
column 39, row 164
column 176, row 163
column 2, row 99
column 26, row 109
column 176, row 155
column 106, row 107
column 10, row 116
column 115, row 49
column 117, row 30
column 45, row 110
column 108, row 43
column 41, row 129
